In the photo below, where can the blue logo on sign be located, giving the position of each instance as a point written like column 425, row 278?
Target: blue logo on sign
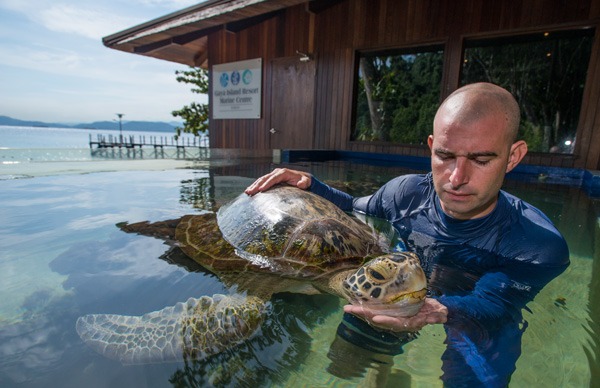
column 247, row 78
column 235, row 78
column 224, row 80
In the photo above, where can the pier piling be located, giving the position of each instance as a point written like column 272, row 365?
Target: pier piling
column 103, row 141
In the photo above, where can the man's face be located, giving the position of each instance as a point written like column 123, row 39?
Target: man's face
column 469, row 162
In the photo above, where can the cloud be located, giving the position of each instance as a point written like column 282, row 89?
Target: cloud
column 94, row 62
column 53, row 66
column 81, row 18
column 90, row 19
column 39, row 57
column 178, row 4
column 90, row 23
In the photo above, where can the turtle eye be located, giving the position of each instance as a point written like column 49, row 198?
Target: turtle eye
column 376, row 275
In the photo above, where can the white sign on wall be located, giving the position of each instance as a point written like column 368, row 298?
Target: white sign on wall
column 237, row 90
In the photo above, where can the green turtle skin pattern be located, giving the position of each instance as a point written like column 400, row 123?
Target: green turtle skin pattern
column 190, row 330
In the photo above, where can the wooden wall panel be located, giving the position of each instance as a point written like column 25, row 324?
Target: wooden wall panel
column 266, row 41
column 594, row 11
column 335, row 34
column 588, row 142
column 296, row 31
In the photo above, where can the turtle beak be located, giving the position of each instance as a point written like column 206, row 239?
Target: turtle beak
column 410, row 297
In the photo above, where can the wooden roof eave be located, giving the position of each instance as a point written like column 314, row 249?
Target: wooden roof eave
column 182, row 36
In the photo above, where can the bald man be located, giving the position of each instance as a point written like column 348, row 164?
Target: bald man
column 486, row 252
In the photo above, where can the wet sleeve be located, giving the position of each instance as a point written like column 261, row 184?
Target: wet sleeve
column 493, row 300
column 337, row 197
column 385, row 203
column 371, row 204
column 502, row 295
column 393, row 198
column 530, row 255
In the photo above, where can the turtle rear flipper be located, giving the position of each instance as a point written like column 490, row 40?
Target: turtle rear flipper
column 195, row 329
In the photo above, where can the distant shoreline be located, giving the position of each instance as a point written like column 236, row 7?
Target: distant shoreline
column 91, row 128
column 137, row 126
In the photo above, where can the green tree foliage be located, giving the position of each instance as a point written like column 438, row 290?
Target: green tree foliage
column 195, row 115
column 546, row 74
column 398, row 96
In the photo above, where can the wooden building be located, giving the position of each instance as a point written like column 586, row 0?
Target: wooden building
column 309, row 51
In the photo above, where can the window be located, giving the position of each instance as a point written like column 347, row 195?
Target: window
column 398, row 94
column 546, row 73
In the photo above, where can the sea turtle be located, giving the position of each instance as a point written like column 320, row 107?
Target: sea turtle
column 284, row 239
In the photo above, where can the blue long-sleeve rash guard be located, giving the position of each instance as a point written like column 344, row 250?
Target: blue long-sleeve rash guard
column 501, row 261
column 483, row 270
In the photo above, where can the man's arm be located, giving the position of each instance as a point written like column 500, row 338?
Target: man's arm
column 302, row 180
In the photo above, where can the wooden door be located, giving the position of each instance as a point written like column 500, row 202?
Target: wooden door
column 292, row 103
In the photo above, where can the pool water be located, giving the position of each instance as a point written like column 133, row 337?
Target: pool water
column 61, row 257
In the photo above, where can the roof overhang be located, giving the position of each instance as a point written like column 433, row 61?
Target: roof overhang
column 182, row 36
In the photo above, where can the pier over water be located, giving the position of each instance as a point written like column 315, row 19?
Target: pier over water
column 155, row 142
column 162, row 147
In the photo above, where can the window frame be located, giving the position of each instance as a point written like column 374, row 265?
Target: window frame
column 387, row 50
column 527, row 33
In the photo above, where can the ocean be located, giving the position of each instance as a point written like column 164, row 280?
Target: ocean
column 20, row 138
column 36, row 151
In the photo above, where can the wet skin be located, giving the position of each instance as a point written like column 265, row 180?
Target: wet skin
column 469, row 162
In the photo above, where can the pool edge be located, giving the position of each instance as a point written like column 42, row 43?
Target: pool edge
column 587, row 180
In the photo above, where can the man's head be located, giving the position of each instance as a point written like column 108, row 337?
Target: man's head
column 473, row 146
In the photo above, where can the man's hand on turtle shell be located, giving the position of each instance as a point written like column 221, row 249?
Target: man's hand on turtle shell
column 432, row 312
column 299, row 179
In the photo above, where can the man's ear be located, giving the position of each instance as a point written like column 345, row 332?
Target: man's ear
column 430, row 142
column 517, row 152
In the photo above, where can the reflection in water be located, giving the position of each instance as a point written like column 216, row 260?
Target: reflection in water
column 38, row 346
column 268, row 358
column 199, row 193
column 155, row 153
column 359, row 350
column 593, row 353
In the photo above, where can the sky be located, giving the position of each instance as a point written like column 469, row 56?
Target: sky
column 54, row 67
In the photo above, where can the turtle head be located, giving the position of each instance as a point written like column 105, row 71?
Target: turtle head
column 395, row 283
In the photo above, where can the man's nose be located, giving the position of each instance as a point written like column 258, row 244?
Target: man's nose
column 460, row 174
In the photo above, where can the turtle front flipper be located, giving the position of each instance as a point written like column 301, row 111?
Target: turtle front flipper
column 164, row 230
column 195, row 329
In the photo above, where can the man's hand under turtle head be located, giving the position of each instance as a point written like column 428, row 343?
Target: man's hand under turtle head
column 432, row 312
column 299, row 179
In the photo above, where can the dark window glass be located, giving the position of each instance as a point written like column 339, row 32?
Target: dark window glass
column 398, row 94
column 545, row 72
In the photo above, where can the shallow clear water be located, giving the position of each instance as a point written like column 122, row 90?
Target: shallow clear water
column 61, row 256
